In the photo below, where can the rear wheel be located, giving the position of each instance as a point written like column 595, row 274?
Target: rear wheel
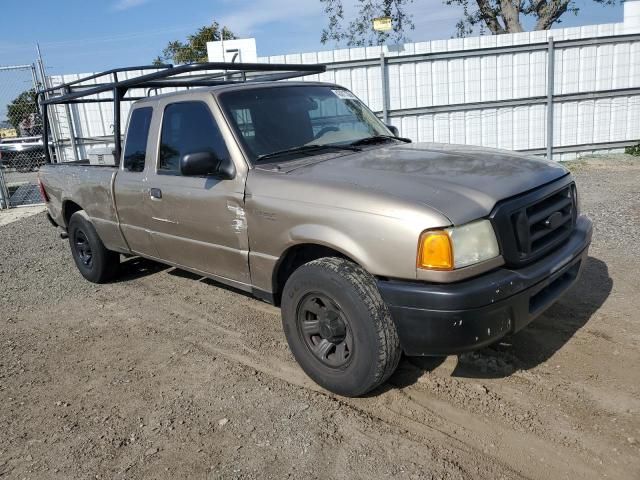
column 95, row 262
column 338, row 327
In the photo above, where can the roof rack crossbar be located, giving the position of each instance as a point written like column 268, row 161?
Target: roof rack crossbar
column 100, row 100
column 275, row 76
column 176, row 83
column 105, row 73
column 165, row 76
column 223, row 78
column 293, row 70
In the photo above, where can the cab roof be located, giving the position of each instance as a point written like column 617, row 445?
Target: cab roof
column 215, row 90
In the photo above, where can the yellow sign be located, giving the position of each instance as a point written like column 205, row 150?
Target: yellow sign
column 382, row 24
column 8, row 132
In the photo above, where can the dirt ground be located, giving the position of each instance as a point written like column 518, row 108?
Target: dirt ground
column 165, row 375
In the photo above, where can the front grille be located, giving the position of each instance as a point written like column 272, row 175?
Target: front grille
column 544, row 223
column 532, row 225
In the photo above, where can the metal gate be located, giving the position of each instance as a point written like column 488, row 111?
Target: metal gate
column 21, row 146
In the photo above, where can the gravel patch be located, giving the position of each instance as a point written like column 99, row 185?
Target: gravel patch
column 163, row 375
column 35, row 267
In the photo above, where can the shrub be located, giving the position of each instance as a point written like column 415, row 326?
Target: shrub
column 635, row 150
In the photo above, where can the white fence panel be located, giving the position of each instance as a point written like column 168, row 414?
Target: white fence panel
column 494, row 75
column 455, row 90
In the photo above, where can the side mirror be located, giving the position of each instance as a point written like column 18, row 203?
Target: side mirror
column 202, row 164
column 394, row 130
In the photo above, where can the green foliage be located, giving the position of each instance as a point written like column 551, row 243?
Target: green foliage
column 506, row 16
column 358, row 32
column 22, row 108
column 478, row 16
column 635, row 150
column 194, row 50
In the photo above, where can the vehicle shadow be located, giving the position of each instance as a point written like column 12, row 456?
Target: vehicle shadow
column 533, row 345
column 137, row 267
column 176, row 272
column 530, row 347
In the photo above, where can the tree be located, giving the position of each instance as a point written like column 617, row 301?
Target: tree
column 496, row 16
column 507, row 16
column 22, row 112
column 194, row 50
column 359, row 31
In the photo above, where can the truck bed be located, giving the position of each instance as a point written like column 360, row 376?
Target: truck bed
column 69, row 185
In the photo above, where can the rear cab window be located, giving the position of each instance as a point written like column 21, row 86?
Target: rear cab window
column 135, row 149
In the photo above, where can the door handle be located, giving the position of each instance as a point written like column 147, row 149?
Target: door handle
column 155, row 193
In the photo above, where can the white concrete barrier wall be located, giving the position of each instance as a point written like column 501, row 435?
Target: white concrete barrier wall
column 487, row 76
column 494, row 77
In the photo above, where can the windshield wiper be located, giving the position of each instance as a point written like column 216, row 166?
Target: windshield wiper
column 377, row 139
column 307, row 149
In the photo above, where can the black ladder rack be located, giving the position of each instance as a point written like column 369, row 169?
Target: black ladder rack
column 76, row 92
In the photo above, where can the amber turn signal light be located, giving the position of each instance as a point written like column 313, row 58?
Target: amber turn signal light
column 435, row 251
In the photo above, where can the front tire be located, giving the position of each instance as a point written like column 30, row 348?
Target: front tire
column 338, row 327
column 94, row 261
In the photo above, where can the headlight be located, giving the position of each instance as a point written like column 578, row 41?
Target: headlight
column 457, row 247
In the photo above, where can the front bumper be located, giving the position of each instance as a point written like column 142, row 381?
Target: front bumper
column 443, row 319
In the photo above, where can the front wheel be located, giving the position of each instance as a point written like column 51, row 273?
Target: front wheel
column 338, row 327
column 95, row 262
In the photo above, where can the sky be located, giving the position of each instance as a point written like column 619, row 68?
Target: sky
column 89, row 35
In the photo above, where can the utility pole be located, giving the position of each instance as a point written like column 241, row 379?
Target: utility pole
column 383, row 24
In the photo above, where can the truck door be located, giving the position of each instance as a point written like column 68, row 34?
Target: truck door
column 196, row 222
column 130, row 184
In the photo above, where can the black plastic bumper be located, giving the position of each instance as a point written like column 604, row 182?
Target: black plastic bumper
column 442, row 319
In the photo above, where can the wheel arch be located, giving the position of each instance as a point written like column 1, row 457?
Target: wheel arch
column 297, row 255
column 69, row 207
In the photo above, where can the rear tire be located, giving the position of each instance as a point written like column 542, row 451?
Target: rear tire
column 338, row 327
column 95, row 262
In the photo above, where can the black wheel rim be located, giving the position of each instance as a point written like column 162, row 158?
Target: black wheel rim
column 325, row 330
column 83, row 249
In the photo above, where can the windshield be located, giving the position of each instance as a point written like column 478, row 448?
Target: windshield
column 273, row 120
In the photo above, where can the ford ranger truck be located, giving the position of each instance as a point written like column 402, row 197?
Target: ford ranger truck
column 297, row 193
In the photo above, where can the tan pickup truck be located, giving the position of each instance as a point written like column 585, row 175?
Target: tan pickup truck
column 297, row 193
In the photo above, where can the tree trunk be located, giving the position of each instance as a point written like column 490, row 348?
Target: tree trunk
column 550, row 12
column 489, row 16
column 511, row 15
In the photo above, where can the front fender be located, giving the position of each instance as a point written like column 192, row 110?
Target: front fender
column 378, row 232
column 328, row 237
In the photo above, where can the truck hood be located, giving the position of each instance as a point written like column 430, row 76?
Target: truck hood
column 463, row 183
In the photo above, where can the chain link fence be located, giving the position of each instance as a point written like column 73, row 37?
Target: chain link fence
column 21, row 146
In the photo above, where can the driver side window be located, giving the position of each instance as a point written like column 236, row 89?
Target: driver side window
column 188, row 127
